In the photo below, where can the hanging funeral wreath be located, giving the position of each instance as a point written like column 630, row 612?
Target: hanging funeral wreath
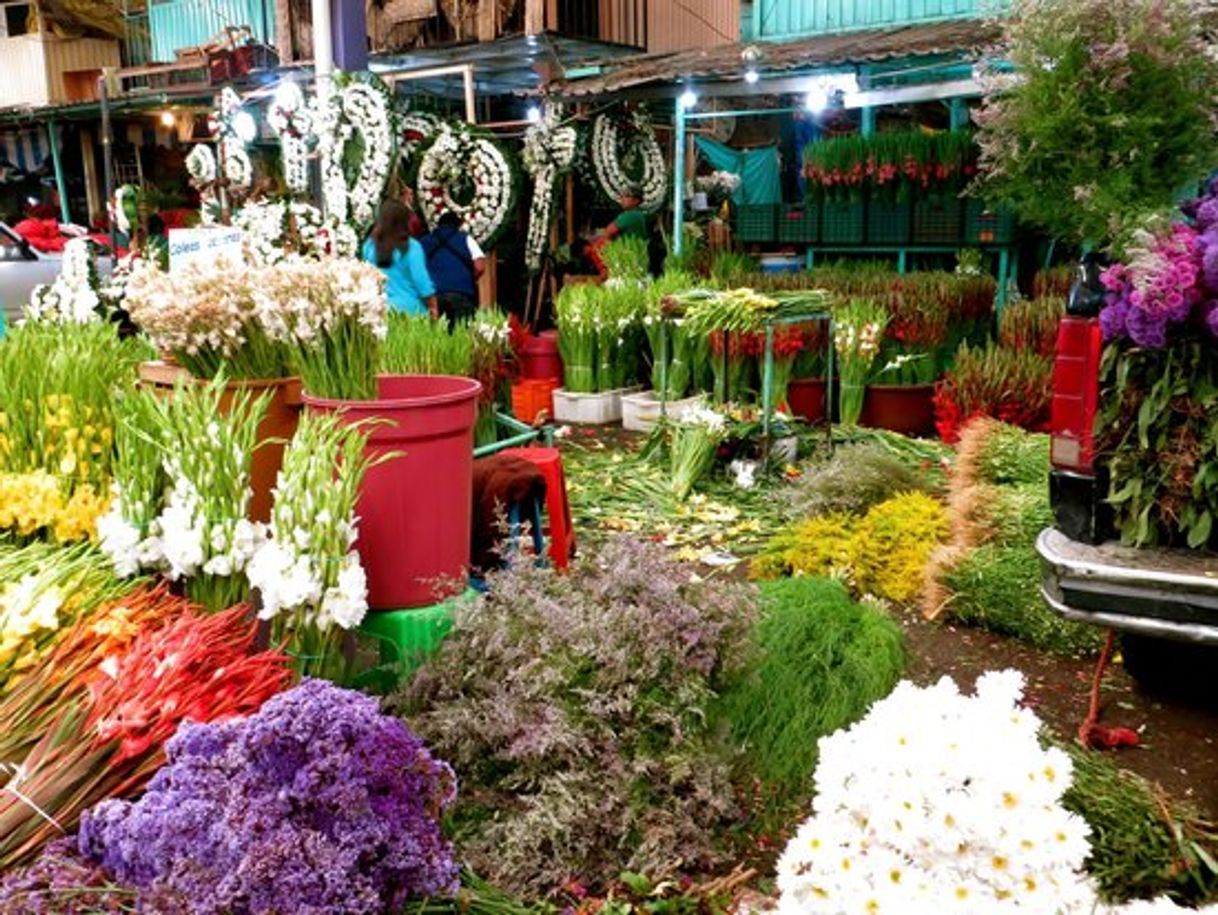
column 467, row 175
column 357, row 140
column 415, row 131
column 625, row 151
column 201, row 165
column 234, row 159
column 291, row 117
column 549, row 151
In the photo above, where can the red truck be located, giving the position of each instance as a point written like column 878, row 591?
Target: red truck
column 1164, row 603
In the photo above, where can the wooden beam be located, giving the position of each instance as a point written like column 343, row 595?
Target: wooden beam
column 534, row 17
column 88, row 155
column 488, row 21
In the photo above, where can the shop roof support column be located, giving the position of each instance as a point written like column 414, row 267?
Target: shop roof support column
column 61, row 186
column 678, row 178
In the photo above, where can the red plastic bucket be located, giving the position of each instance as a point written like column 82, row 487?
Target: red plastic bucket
column 415, row 510
column 806, row 397
column 539, row 356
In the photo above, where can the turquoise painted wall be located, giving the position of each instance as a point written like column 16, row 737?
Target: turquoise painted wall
column 176, row 24
column 787, row 19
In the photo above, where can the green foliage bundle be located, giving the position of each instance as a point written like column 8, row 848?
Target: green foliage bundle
column 58, row 383
column 989, row 575
column 576, row 710
column 418, row 345
column 997, row 588
column 626, row 258
column 1112, row 113
column 823, row 659
column 1158, row 427
column 1142, row 845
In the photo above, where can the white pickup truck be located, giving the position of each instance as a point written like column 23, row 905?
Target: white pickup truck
column 1163, row 602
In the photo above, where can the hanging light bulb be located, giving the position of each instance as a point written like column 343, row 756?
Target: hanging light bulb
column 533, row 114
column 688, row 99
column 751, row 76
column 167, row 119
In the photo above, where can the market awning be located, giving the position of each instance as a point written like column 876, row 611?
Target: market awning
column 22, row 152
column 728, row 62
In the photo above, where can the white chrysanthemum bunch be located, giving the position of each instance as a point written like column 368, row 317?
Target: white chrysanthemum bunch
column 307, row 572
column 201, row 164
column 718, row 185
column 73, row 297
column 549, row 150
column 609, row 160
column 457, row 156
column 940, row 802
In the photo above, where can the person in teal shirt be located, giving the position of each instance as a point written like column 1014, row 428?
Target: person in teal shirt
column 400, row 257
column 632, row 221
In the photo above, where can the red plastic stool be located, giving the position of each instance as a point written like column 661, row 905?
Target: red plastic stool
column 561, row 533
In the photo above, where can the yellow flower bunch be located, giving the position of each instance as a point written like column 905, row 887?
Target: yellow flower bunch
column 74, row 439
column 34, row 502
column 883, row 553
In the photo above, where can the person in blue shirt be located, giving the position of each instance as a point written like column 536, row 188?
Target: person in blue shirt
column 455, row 262
column 400, row 257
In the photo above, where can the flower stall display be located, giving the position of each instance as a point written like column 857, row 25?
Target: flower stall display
column 291, row 118
column 858, row 328
column 467, row 174
column 549, row 151
column 599, row 335
column 308, row 575
column 1099, row 84
column 342, row 815
column 107, row 739
column 916, row 812
column 356, row 137
column 992, row 380
column 1158, row 381
column 624, row 151
column 73, row 296
column 890, row 165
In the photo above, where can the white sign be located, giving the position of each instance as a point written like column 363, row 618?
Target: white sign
column 191, row 245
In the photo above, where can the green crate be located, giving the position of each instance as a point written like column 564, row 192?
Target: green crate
column 842, row 222
column 985, row 225
column 757, row 222
column 799, row 224
column 938, row 221
column 403, row 640
column 888, row 222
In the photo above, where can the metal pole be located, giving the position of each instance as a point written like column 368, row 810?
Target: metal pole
column 107, row 141
column 678, row 181
column 323, row 48
column 767, row 393
column 61, row 186
column 471, row 111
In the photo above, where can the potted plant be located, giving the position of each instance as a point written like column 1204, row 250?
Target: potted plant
column 807, row 392
column 600, row 332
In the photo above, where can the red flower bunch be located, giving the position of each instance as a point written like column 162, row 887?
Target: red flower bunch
column 1010, row 386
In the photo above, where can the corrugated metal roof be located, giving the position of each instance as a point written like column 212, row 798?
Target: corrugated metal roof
column 727, row 61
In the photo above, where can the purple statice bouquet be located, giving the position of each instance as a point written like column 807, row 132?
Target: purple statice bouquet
column 1169, row 282
column 317, row 805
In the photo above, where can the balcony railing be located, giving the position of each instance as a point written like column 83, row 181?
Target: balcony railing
column 789, row 19
column 177, row 24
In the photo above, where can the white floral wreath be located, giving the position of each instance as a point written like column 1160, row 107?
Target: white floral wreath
column 238, row 169
column 291, row 117
column 416, row 131
column 457, row 155
column 549, row 150
column 269, row 227
column 360, row 107
column 609, row 169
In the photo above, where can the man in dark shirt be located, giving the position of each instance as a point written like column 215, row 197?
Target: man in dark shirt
column 455, row 262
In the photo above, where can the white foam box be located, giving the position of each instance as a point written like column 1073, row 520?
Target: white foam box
column 641, row 411
column 589, row 409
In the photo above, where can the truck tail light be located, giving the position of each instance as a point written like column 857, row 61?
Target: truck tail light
column 1076, row 383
